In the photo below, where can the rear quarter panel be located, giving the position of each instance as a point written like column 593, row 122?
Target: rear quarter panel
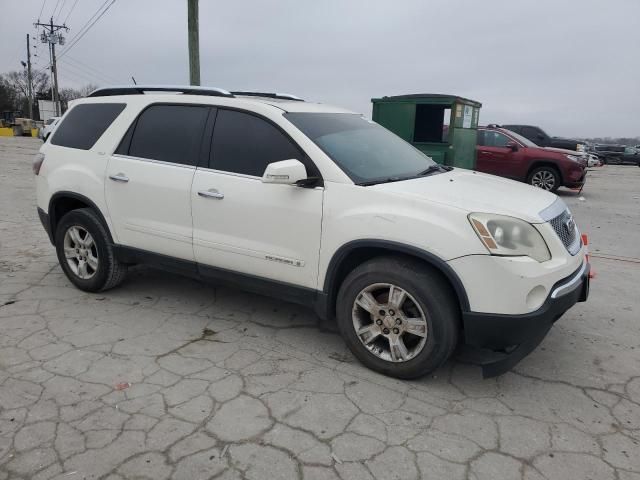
column 81, row 172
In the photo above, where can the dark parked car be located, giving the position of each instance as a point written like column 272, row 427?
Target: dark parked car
column 507, row 154
column 541, row 139
column 617, row 154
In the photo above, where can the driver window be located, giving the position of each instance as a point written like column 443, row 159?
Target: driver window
column 496, row 139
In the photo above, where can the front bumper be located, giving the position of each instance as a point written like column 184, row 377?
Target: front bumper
column 497, row 342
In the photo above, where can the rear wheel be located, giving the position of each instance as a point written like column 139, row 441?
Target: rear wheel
column 545, row 177
column 398, row 317
column 85, row 252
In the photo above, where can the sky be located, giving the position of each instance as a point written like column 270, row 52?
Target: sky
column 569, row 66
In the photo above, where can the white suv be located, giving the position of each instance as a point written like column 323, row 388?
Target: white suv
column 316, row 205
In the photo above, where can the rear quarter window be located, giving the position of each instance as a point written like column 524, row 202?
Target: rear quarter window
column 85, row 124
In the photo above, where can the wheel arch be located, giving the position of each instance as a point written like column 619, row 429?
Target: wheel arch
column 545, row 163
column 63, row 202
column 353, row 253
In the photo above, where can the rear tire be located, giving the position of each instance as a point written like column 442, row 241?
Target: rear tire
column 545, row 177
column 419, row 329
column 85, row 252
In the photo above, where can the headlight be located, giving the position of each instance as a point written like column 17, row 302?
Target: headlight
column 509, row 236
column 581, row 147
column 575, row 158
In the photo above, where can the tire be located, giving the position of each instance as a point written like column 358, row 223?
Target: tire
column 427, row 293
column 101, row 270
column 545, row 177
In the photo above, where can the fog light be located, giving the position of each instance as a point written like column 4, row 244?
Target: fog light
column 536, row 297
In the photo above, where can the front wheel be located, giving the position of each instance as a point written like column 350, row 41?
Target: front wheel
column 546, row 178
column 398, row 316
column 85, row 252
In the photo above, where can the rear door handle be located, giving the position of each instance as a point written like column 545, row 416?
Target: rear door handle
column 211, row 194
column 119, row 177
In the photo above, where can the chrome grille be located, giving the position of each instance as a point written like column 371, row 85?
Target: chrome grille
column 566, row 229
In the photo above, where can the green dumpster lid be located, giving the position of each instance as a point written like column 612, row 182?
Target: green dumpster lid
column 427, row 96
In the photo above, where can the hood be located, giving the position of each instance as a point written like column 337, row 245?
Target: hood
column 565, row 151
column 475, row 192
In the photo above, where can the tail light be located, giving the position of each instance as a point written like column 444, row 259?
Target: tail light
column 37, row 163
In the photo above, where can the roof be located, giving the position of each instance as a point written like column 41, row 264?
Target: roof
column 418, row 97
column 215, row 96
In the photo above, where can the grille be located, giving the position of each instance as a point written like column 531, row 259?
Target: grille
column 566, row 229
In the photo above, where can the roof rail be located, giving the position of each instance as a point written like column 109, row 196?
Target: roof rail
column 141, row 89
column 284, row 96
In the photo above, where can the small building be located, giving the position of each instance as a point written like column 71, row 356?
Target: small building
column 442, row 126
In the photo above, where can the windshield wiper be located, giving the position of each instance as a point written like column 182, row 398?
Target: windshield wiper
column 432, row 169
column 381, row 180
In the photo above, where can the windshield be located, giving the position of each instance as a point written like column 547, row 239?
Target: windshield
column 523, row 140
column 365, row 151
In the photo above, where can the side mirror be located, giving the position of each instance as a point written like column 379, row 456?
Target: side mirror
column 285, row 172
column 512, row 146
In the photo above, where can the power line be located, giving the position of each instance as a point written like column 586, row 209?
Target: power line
column 76, row 73
column 69, row 14
column 110, row 78
column 61, row 8
column 95, row 76
column 55, row 8
column 42, row 9
column 87, row 26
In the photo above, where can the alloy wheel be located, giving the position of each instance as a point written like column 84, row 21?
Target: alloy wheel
column 389, row 322
column 544, row 179
column 81, row 252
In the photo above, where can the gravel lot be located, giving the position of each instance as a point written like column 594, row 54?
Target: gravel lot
column 169, row 378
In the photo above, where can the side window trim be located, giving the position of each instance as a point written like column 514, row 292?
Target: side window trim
column 124, row 146
column 207, row 138
column 305, row 159
column 152, row 160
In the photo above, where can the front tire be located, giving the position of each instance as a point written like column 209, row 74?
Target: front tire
column 85, row 252
column 545, row 177
column 398, row 316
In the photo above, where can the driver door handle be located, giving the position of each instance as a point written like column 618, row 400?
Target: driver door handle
column 211, row 194
column 119, row 177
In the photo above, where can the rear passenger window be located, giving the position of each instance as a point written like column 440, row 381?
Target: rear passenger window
column 170, row 133
column 244, row 143
column 85, row 124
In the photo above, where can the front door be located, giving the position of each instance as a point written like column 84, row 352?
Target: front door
column 494, row 156
column 243, row 225
column 148, row 184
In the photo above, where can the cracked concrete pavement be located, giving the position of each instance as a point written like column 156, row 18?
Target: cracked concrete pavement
column 166, row 377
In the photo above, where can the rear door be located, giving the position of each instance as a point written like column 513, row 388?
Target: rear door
column 241, row 224
column 148, row 184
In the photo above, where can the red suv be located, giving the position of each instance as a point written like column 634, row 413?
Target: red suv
column 508, row 154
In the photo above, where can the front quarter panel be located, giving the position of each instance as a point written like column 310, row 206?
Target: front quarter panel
column 353, row 212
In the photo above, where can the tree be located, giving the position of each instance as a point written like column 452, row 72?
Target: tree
column 18, row 80
column 8, row 98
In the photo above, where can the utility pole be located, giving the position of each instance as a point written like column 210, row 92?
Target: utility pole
column 194, row 42
column 52, row 38
column 29, row 79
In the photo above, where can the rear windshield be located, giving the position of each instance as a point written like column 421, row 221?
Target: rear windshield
column 365, row 151
column 85, row 124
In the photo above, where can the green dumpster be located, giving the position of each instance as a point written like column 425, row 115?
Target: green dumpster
column 445, row 127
